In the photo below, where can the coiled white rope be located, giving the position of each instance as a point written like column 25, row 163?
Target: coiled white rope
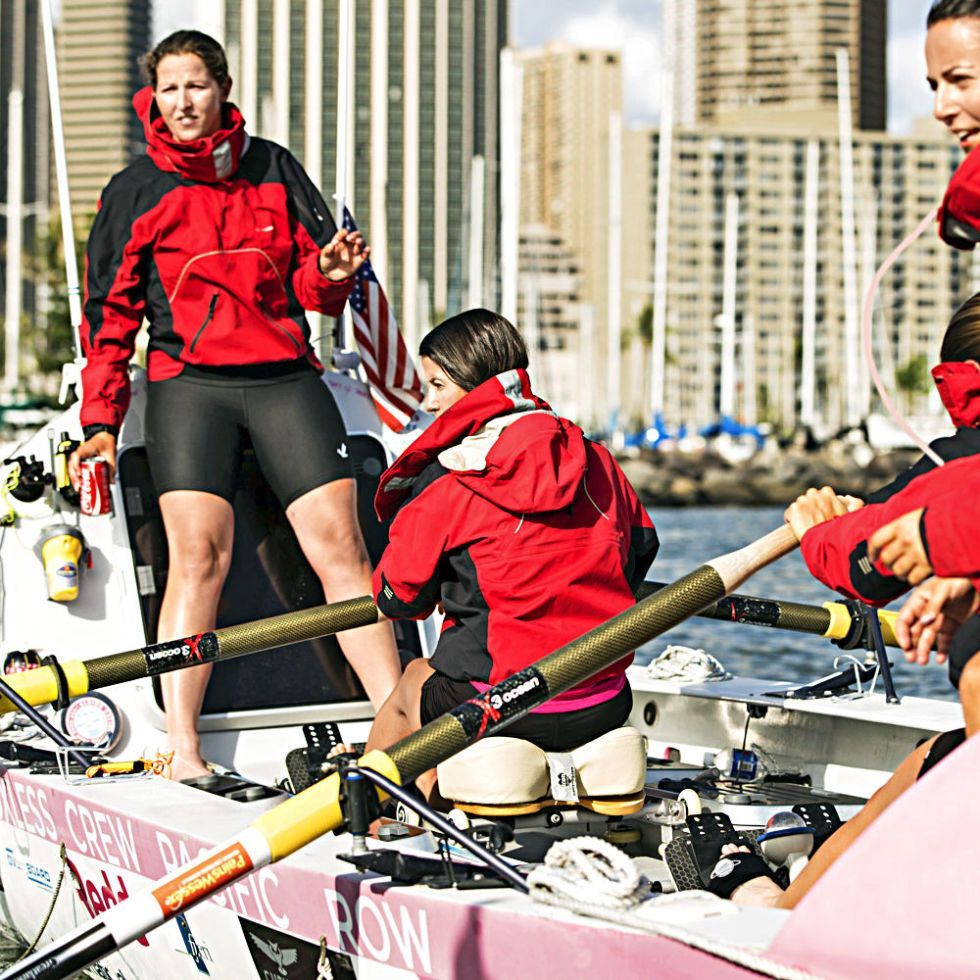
column 589, row 869
column 591, row 877
column 687, row 664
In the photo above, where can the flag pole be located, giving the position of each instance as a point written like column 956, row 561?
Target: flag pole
column 345, row 88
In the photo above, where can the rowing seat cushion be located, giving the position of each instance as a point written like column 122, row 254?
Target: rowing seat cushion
column 502, row 770
column 496, row 771
column 614, row 764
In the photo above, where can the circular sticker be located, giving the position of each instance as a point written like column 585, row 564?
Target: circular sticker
column 94, row 719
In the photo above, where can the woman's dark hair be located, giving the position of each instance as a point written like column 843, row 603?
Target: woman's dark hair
column 962, row 339
column 952, row 10
column 473, row 346
column 187, row 42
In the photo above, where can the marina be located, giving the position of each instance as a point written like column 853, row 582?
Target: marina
column 332, row 649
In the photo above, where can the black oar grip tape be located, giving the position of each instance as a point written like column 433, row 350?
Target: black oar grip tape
column 753, row 611
column 62, row 682
column 570, row 665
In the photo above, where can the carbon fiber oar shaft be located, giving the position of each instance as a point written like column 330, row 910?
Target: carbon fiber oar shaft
column 40, row 686
column 308, row 815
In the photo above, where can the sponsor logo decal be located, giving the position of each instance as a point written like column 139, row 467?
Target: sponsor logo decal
column 278, row 956
column 199, row 649
column 208, row 876
column 98, row 899
column 40, row 876
column 511, row 698
column 197, row 951
column 342, row 451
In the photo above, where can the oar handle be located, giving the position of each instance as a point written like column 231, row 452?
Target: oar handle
column 735, row 567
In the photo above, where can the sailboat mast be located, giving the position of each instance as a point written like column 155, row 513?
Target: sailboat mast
column 726, row 402
column 852, row 376
column 661, row 236
column 64, row 200
column 15, row 234
column 809, row 353
column 510, row 180
column 615, row 275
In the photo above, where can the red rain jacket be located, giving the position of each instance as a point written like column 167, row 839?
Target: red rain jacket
column 216, row 243
column 528, row 533
column 836, row 551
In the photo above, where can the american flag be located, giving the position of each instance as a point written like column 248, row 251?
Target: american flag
column 395, row 383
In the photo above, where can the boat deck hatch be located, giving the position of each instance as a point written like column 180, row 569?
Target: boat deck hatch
column 233, row 788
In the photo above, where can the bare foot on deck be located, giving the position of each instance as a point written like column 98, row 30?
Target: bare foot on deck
column 187, row 762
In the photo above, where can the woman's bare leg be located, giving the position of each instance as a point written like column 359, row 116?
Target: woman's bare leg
column 325, row 522
column 200, row 531
column 401, row 715
column 904, row 777
column 969, row 689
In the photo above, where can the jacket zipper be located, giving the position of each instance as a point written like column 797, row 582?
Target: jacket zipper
column 207, row 320
column 285, row 333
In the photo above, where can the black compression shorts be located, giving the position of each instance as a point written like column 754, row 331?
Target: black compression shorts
column 944, row 744
column 558, row 731
column 198, row 424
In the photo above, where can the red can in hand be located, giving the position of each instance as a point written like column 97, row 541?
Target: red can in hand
column 94, row 489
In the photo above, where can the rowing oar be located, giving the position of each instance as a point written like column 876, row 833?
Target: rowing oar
column 834, row 620
column 40, row 686
column 302, row 818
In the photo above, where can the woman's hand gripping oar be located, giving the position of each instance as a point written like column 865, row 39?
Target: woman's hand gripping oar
column 303, row 818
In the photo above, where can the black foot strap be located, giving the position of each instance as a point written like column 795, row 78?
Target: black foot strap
column 733, row 870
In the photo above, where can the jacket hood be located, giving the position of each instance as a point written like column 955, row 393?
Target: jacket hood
column 959, row 388
column 209, row 159
column 528, row 462
column 500, row 441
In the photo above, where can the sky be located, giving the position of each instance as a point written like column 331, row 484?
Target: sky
column 634, row 26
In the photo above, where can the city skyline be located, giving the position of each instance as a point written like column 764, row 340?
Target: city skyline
column 635, row 27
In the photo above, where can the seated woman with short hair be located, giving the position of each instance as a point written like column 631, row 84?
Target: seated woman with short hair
column 524, row 531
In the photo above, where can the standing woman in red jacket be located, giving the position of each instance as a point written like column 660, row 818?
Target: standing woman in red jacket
column 220, row 240
column 526, row 533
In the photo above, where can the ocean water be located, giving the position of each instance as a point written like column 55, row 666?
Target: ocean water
column 691, row 536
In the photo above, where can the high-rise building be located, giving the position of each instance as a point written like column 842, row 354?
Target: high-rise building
column 570, row 96
column 424, row 105
column 549, row 315
column 99, row 45
column 22, row 71
column 898, row 180
column 778, row 57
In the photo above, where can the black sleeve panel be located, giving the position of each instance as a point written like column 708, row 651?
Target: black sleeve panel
column 310, row 208
column 965, row 442
column 868, row 582
column 394, row 607
column 128, row 196
column 644, row 545
column 427, row 477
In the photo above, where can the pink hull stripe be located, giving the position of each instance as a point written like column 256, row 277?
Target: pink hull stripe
column 902, row 902
column 311, row 894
